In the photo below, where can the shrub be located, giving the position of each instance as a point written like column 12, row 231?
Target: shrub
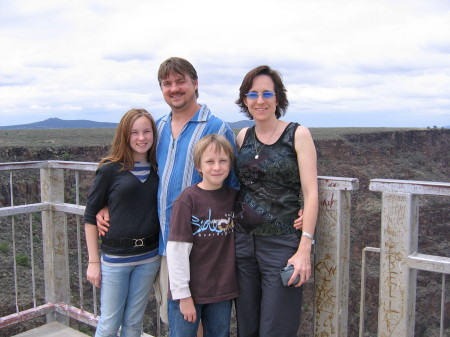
column 4, row 247
column 22, row 260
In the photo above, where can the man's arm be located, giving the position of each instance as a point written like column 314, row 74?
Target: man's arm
column 298, row 223
column 231, row 181
column 103, row 218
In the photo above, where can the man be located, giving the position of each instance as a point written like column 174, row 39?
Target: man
column 178, row 132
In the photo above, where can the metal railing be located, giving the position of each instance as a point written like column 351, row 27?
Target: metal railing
column 332, row 255
column 54, row 213
column 399, row 256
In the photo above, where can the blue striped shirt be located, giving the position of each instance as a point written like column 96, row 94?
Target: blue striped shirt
column 129, row 260
column 175, row 159
column 141, row 170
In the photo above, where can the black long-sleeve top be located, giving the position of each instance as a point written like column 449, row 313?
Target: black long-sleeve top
column 132, row 206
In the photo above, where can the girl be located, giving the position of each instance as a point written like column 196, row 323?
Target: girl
column 126, row 181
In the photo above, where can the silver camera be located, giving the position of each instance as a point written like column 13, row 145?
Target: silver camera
column 286, row 274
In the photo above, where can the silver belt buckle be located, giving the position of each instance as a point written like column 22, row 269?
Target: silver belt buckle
column 138, row 242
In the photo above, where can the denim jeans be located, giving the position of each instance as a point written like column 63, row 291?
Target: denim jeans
column 215, row 318
column 125, row 291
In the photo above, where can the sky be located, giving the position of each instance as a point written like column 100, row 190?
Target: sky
column 346, row 63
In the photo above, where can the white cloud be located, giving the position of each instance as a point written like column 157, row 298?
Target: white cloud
column 95, row 59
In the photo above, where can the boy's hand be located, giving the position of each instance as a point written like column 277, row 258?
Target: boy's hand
column 187, row 309
column 102, row 218
column 298, row 223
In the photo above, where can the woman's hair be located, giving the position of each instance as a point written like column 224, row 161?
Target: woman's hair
column 120, row 148
column 219, row 142
column 177, row 65
column 280, row 90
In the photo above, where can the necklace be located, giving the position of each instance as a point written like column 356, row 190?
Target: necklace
column 263, row 144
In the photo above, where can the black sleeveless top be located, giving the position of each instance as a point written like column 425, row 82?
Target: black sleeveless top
column 268, row 200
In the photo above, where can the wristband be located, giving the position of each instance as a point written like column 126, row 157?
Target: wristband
column 309, row 236
column 93, row 261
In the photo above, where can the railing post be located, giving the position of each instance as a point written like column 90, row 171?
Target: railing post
column 399, row 232
column 55, row 244
column 399, row 256
column 331, row 274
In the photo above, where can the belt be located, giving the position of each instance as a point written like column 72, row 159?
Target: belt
column 130, row 243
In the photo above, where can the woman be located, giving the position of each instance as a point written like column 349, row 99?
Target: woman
column 276, row 162
column 126, row 181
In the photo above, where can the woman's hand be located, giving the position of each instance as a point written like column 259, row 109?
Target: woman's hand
column 187, row 309
column 301, row 261
column 102, row 218
column 94, row 274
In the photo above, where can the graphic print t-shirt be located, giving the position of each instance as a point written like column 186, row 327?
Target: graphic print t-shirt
column 205, row 219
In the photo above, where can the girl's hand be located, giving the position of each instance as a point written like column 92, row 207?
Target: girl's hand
column 187, row 309
column 94, row 273
column 298, row 223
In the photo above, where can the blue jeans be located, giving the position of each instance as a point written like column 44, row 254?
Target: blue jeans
column 215, row 318
column 125, row 291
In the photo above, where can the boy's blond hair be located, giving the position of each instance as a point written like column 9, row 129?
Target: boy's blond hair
column 219, row 142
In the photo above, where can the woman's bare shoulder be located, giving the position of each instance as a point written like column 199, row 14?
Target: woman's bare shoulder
column 240, row 137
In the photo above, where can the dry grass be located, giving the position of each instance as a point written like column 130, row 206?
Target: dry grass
column 338, row 133
column 56, row 137
column 94, row 137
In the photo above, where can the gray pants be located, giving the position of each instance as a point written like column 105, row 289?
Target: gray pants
column 264, row 306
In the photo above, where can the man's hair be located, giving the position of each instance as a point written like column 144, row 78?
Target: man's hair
column 219, row 142
column 120, row 148
column 280, row 90
column 177, row 65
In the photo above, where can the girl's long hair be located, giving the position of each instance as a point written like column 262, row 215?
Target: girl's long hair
column 120, row 148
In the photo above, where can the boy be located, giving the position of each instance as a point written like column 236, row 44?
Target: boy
column 200, row 250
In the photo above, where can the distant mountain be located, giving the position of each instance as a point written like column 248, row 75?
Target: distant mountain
column 56, row 123
column 241, row 124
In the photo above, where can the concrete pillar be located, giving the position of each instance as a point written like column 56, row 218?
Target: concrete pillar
column 399, row 232
column 55, row 244
column 399, row 256
column 331, row 271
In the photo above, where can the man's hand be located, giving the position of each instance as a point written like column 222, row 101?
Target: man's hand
column 298, row 223
column 187, row 309
column 102, row 218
